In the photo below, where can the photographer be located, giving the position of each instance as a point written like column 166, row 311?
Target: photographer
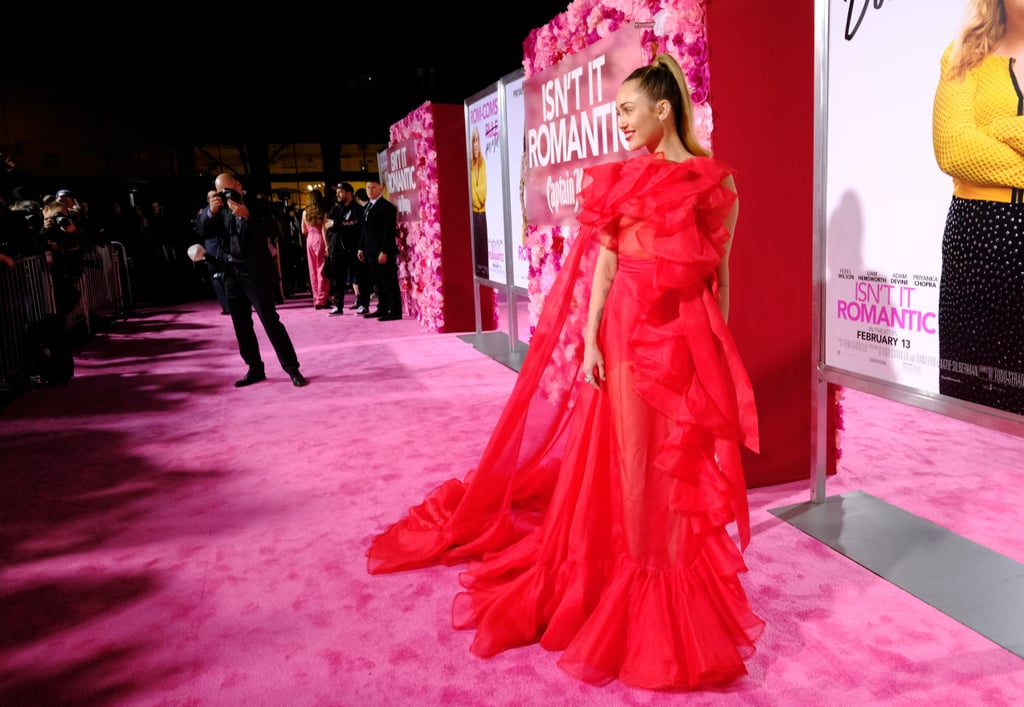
column 250, row 276
column 48, row 340
column 60, row 239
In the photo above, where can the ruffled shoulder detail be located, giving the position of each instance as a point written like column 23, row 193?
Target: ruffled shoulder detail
column 683, row 205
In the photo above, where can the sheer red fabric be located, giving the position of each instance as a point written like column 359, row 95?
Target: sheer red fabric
column 596, row 522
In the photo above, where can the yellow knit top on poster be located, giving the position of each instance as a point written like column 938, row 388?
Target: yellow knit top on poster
column 978, row 130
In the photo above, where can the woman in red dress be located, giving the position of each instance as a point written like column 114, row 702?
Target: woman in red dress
column 596, row 521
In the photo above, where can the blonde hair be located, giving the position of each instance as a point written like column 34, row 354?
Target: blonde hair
column 983, row 29
column 663, row 80
column 475, row 158
column 314, row 209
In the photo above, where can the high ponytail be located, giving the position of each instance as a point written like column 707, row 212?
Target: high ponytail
column 684, row 117
column 664, row 80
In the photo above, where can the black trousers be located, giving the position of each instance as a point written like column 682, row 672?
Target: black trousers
column 346, row 264
column 248, row 291
column 385, row 277
column 361, row 274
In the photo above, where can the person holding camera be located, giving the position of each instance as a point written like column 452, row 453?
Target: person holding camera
column 48, row 340
column 61, row 241
column 250, row 276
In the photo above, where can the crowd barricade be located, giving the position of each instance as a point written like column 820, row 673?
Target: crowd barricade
column 102, row 285
column 26, row 297
column 121, row 269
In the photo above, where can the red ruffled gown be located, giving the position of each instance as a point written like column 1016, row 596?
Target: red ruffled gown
column 597, row 522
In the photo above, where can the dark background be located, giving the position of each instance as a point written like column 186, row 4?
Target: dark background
column 218, row 73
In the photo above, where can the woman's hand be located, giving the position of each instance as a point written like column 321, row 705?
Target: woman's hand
column 593, row 366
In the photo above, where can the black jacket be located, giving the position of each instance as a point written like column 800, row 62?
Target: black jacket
column 380, row 230
column 242, row 242
column 347, row 228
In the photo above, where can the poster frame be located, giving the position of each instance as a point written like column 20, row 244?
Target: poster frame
column 832, row 373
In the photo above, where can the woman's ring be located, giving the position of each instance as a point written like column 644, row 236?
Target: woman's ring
column 588, row 378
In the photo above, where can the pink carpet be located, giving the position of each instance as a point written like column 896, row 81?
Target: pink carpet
column 168, row 539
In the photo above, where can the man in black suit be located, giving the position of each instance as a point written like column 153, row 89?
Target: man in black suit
column 378, row 248
column 250, row 276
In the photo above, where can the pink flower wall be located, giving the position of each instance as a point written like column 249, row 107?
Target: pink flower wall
column 676, row 26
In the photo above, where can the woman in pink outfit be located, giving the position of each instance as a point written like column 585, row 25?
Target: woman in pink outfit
column 313, row 217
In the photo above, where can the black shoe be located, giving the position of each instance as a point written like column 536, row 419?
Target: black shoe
column 389, row 317
column 371, row 315
column 298, row 380
column 250, row 378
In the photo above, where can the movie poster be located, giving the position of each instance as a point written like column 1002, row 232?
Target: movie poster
column 887, row 199
column 487, row 207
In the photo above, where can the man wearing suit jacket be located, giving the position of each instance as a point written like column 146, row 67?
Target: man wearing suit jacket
column 250, row 277
column 378, row 248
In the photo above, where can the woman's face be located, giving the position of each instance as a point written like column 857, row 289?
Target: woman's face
column 637, row 117
column 476, row 145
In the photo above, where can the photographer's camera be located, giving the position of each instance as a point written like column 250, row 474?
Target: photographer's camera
column 230, row 195
column 65, row 221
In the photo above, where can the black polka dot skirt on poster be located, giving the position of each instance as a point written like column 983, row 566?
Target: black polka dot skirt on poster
column 981, row 304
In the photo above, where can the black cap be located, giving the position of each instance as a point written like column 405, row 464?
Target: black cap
column 346, row 186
